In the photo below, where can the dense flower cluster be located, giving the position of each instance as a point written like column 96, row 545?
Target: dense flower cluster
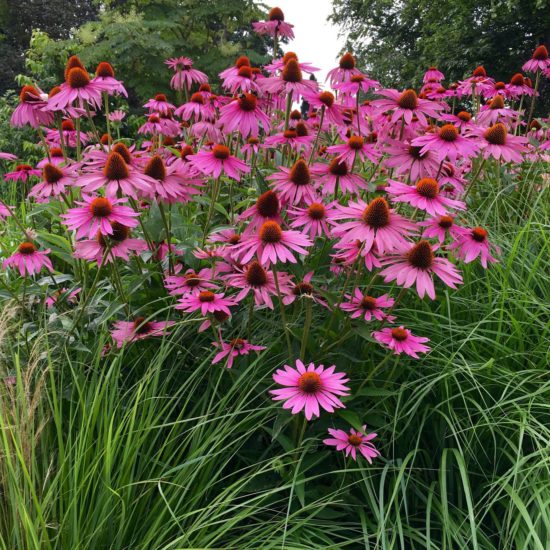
column 377, row 179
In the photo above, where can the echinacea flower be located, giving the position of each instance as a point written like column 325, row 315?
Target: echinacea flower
column 406, row 158
column 117, row 116
column 185, row 75
column 356, row 84
column 471, row 243
column 272, row 244
column 336, row 176
column 62, row 295
column 189, row 282
column 275, row 25
column 439, row 227
column 54, row 181
column 312, row 218
column 218, row 160
column 160, row 104
column 198, row 107
column 406, row 105
column 345, row 70
column 30, row 109
column 119, row 244
column 290, row 82
column 97, row 214
column 291, row 138
column 243, row 114
column 364, row 306
column 105, row 79
column 356, row 147
column 433, row 75
column 447, row 142
column 353, row 442
column 310, row 388
column 372, row 223
column 77, row 87
column 402, row 340
column 418, row 264
column 539, row 60
column 325, row 100
column 28, row 259
column 303, row 289
column 22, row 173
column 205, row 301
column 130, row 331
column 425, row 195
column 294, row 185
column 498, row 143
column 266, row 208
column 232, row 349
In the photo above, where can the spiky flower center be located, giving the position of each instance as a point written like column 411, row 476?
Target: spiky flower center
column 115, row 167
column 242, row 61
column 101, row 207
column 303, row 288
column 288, row 56
column 290, row 134
column 338, row 168
column 310, row 383
column 377, row 214
column 421, row 255
column 326, row 98
column 408, row 100
column 154, row 119
column 356, row 143
column 299, row 174
column 160, row 97
column 347, row 62
column 141, row 326
column 105, row 70
column 237, row 343
column 56, row 152
column 399, row 334
column 120, row 232
column 245, row 72
column 292, row 71
column 123, row 151
column 276, row 14
column 248, row 102
column 29, row 94
column 541, row 53
column 271, row 233
column 496, row 134
column 497, row 102
column 517, row 80
column 368, row 303
column 414, row 151
column 479, row 234
column 252, row 140
column 206, row 296
column 295, row 115
column 220, row 152
column 67, row 126
column 197, row 97
column 479, row 71
column 448, row 132
column 256, row 275
column 445, row 222
column 316, row 211
column 51, row 173
column 186, row 150
column 355, row 440
column 301, row 130
column 155, row 168
column 465, row 116
column 427, row 187
column 26, row 248
column 268, row 205
column 77, row 78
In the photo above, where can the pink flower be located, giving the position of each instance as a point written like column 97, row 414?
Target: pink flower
column 401, row 340
column 471, row 243
column 446, row 142
column 117, row 116
column 294, row 184
column 408, row 159
column 345, row 70
column 185, row 74
column 336, row 176
column 290, row 81
column 22, row 173
column 291, row 138
column 538, row 62
column 272, row 244
column 356, row 147
column 206, row 302
column 105, row 79
column 233, row 349
column 433, row 75
column 139, row 329
column 97, row 214
column 418, row 265
column 31, row 109
column 275, row 25
column 244, row 115
column 218, row 160
column 406, row 105
column 353, row 442
column 373, row 223
column 425, row 195
column 119, row 244
column 303, row 289
column 5, row 211
column 29, row 260
column 260, row 281
column 77, row 87
column 326, row 101
column 56, row 158
column 496, row 142
column 198, row 107
column 160, row 104
column 357, row 83
column 55, row 179
column 312, row 218
column 439, row 227
column 310, row 388
column 368, row 307
column 266, row 208
column 189, row 282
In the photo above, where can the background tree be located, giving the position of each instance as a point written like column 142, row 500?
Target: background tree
column 397, row 41
column 18, row 19
column 137, row 35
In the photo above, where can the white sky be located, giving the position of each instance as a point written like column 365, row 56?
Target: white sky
column 316, row 40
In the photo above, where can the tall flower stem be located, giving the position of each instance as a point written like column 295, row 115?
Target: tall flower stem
column 307, row 326
column 168, row 237
column 214, row 198
column 371, row 374
column 474, row 179
column 314, row 148
column 533, row 99
column 283, row 314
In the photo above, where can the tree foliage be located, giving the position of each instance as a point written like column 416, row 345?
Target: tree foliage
column 398, row 40
column 136, row 35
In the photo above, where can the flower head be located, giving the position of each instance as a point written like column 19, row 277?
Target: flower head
column 28, row 259
column 353, row 442
column 402, row 340
column 232, row 349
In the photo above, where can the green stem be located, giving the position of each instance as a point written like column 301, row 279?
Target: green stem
column 307, row 326
column 283, row 314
